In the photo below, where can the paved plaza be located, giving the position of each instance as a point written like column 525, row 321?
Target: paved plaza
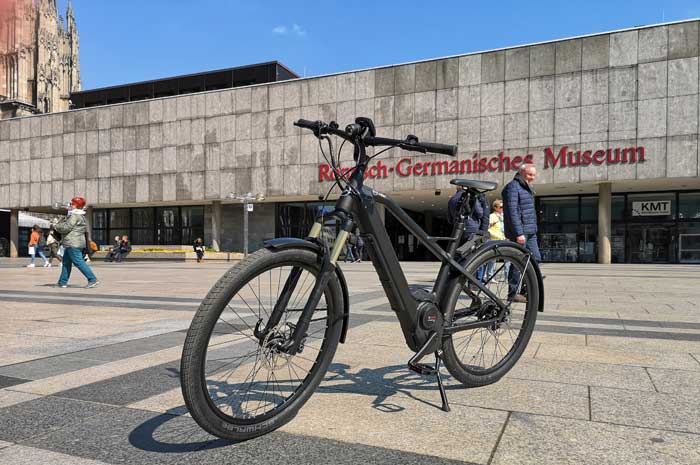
column 612, row 375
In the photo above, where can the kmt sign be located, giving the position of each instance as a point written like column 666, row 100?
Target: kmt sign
column 651, row 208
column 501, row 162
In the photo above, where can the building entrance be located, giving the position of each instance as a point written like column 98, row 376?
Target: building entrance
column 653, row 243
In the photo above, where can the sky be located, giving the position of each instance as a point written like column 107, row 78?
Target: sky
column 130, row 41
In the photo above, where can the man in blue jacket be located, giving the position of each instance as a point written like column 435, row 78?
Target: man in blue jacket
column 520, row 221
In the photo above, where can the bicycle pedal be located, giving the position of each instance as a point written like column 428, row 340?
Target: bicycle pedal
column 423, row 369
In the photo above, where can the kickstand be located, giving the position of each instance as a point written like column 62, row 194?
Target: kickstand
column 443, row 394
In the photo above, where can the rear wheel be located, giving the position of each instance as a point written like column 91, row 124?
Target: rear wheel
column 482, row 356
column 238, row 385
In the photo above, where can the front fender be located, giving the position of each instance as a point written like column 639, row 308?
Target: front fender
column 282, row 243
column 496, row 244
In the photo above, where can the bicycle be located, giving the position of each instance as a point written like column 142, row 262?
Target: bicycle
column 264, row 336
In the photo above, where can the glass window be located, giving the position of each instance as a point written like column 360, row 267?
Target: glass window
column 99, row 219
column 589, row 209
column 168, row 226
column 142, row 236
column 618, row 208
column 689, row 205
column 192, row 224
column 559, row 210
column 651, row 207
column 559, row 243
column 617, row 244
column 689, row 242
column 119, row 219
column 99, row 236
column 142, row 218
column 588, row 243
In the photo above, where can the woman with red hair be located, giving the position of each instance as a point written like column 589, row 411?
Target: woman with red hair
column 73, row 229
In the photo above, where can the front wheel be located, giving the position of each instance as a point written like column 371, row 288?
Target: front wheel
column 482, row 356
column 235, row 380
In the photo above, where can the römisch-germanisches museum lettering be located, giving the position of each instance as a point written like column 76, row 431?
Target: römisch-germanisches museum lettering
column 562, row 158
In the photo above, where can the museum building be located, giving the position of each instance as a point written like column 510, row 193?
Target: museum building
column 610, row 120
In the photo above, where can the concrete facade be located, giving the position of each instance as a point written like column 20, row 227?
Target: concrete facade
column 632, row 88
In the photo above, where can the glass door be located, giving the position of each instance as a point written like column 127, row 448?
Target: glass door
column 689, row 248
column 651, row 243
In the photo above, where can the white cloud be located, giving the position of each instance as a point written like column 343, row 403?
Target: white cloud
column 298, row 30
column 284, row 30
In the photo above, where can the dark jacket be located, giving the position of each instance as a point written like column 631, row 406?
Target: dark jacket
column 519, row 213
column 478, row 220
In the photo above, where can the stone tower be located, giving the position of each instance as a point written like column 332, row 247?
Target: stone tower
column 39, row 64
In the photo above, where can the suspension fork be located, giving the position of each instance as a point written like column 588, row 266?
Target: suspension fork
column 328, row 265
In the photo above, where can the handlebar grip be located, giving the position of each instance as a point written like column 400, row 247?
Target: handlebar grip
column 444, row 149
column 304, row 123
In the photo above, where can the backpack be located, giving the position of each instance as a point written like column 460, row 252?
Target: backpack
column 454, row 203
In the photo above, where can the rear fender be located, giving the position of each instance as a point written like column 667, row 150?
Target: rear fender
column 283, row 243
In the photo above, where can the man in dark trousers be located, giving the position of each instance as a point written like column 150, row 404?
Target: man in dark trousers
column 520, row 221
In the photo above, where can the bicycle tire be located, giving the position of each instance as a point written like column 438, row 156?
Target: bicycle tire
column 194, row 354
column 469, row 375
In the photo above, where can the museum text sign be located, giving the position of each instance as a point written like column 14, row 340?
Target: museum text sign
column 563, row 158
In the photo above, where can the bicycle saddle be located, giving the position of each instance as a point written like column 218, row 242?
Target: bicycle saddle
column 482, row 186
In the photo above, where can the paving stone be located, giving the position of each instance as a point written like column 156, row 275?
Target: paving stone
column 299, row 450
column 128, row 436
column 587, row 374
column 532, row 439
column 39, row 416
column 22, row 455
column 646, row 409
column 43, row 368
column 617, row 356
column 9, row 397
column 686, row 383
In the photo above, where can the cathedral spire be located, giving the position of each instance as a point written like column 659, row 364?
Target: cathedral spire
column 69, row 12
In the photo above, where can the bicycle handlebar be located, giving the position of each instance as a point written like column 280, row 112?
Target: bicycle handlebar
column 411, row 142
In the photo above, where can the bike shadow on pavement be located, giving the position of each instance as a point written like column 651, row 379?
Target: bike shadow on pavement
column 174, row 433
column 382, row 384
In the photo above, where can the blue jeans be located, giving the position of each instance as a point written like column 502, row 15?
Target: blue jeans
column 514, row 274
column 348, row 254
column 72, row 256
column 40, row 252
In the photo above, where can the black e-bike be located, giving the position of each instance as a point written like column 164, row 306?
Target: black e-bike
column 264, row 336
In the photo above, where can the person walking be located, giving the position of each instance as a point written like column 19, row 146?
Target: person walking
column 348, row 248
column 35, row 247
column 198, row 247
column 53, row 242
column 73, row 228
column 496, row 233
column 359, row 247
column 520, row 222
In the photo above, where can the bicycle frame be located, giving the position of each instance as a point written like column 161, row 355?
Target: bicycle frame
column 359, row 202
column 385, row 261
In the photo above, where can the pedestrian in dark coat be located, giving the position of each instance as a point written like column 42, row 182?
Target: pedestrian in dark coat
column 520, row 221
